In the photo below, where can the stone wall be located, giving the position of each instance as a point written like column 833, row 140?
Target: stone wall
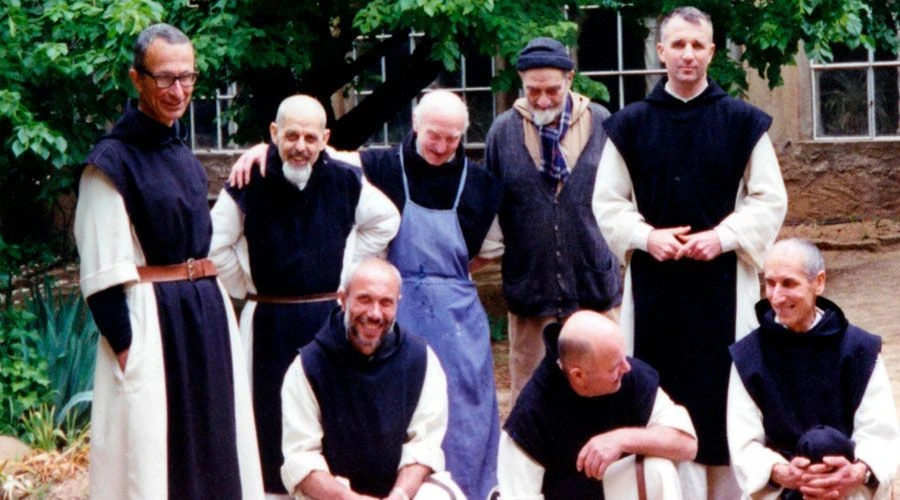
column 840, row 182
column 826, row 182
column 218, row 165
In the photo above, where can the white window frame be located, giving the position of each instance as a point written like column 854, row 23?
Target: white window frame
column 815, row 68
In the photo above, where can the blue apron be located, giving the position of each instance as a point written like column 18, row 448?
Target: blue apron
column 440, row 302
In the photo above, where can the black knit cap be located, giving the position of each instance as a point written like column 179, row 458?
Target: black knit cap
column 543, row 52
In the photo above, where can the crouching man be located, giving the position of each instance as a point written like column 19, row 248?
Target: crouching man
column 587, row 411
column 810, row 409
column 364, row 404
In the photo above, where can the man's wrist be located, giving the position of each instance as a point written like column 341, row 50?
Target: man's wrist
column 775, row 477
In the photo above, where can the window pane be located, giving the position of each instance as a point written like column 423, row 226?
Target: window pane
column 447, row 79
column 400, row 124
column 481, row 114
column 378, row 137
column 887, row 101
column 228, row 127
column 371, row 76
column 478, row 70
column 597, row 42
column 842, row 97
column 844, row 54
column 204, row 123
column 635, row 87
column 885, row 55
column 396, row 59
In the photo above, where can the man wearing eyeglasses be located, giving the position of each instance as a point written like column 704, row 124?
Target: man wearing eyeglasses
column 171, row 410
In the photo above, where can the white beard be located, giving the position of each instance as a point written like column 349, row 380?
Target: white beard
column 543, row 117
column 297, row 175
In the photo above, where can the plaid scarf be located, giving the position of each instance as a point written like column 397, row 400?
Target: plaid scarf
column 553, row 163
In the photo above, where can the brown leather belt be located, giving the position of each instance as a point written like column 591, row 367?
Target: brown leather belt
column 192, row 269
column 292, row 299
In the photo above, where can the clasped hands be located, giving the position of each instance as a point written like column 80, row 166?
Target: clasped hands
column 833, row 478
column 673, row 243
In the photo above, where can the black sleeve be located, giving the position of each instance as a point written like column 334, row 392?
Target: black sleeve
column 111, row 315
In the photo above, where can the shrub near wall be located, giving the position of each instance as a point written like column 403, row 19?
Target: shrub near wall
column 24, row 385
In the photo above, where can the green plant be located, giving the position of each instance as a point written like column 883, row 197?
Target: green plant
column 68, row 341
column 24, row 384
column 40, row 430
column 47, row 430
column 498, row 327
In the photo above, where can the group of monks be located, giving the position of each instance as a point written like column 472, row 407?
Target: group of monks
column 361, row 363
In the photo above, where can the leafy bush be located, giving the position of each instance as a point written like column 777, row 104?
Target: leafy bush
column 68, row 341
column 48, row 351
column 24, row 385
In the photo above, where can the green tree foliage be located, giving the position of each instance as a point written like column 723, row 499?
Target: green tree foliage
column 62, row 80
column 63, row 63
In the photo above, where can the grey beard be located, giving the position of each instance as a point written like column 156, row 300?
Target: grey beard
column 297, row 175
column 545, row 116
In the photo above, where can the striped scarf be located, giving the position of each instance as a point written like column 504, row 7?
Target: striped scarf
column 553, row 163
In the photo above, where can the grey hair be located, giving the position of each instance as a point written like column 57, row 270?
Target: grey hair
column 167, row 32
column 692, row 15
column 813, row 261
column 440, row 101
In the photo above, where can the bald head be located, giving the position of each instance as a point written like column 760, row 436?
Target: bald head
column 586, row 333
column 592, row 354
column 299, row 133
column 439, row 120
column 301, row 106
column 378, row 268
column 442, row 103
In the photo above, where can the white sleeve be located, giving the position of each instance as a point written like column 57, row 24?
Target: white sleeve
column 668, row 414
column 759, row 209
column 429, row 421
column 751, row 460
column 615, row 207
column 519, row 476
column 107, row 248
column 875, row 429
column 492, row 246
column 351, row 157
column 376, row 223
column 228, row 249
column 301, row 440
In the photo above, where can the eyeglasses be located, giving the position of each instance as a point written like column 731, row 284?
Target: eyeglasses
column 166, row 80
